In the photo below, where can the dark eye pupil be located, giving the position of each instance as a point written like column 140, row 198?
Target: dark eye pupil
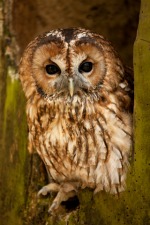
column 86, row 67
column 52, row 69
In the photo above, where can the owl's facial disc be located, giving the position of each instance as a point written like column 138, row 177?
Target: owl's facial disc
column 62, row 69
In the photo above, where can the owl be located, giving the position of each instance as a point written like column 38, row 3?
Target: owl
column 79, row 111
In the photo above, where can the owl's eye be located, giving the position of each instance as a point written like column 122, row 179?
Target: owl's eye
column 52, row 69
column 85, row 67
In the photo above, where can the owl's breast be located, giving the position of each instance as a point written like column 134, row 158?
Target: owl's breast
column 86, row 142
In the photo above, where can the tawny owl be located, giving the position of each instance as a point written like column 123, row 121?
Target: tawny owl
column 79, row 111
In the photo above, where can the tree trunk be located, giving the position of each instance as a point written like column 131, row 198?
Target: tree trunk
column 19, row 171
column 13, row 138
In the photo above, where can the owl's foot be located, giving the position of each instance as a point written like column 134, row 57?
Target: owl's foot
column 65, row 192
column 52, row 187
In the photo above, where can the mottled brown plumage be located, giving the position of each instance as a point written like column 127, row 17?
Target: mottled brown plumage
column 78, row 110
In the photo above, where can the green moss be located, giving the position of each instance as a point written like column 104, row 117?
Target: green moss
column 13, row 154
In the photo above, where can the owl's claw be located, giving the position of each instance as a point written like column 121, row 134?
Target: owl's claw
column 52, row 187
column 62, row 196
column 65, row 191
column 53, row 208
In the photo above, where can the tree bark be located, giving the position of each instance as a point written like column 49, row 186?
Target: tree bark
column 19, row 171
column 13, row 128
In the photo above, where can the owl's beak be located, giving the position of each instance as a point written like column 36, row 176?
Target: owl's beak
column 71, row 86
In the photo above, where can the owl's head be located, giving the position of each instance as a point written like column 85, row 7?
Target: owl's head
column 66, row 62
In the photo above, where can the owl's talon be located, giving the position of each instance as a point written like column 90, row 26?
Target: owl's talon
column 52, row 187
column 66, row 191
column 43, row 191
column 53, row 208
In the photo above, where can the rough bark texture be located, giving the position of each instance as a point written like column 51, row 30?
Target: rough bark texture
column 21, row 174
column 12, row 130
